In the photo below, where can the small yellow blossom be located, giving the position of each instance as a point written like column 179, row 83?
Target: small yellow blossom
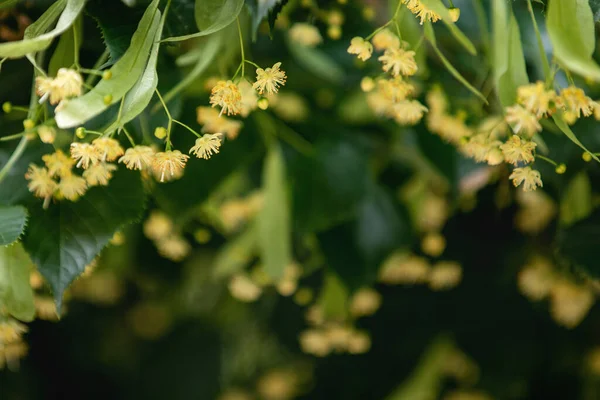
column 226, row 95
column 157, row 226
column 536, row 279
column 365, row 302
column 437, row 101
column 463, row 394
column 249, row 98
column 399, row 61
column 99, row 174
column 535, row 98
column 108, row 148
column 530, row 178
column 421, row 11
column 40, row 183
column 71, row 187
column 362, row 48
column 570, row 303
column 173, row 247
column 407, row 269
column 367, row 84
column 450, row 128
column 445, row 275
column 85, row 153
column 522, row 121
column 396, row 89
column 268, row 80
column 11, row 331
column 138, row 157
column 359, row 342
column 215, row 123
column 536, row 211
column 385, row 39
column 576, row 102
column 517, row 150
column 11, row 353
column 68, row 83
column 483, row 149
column 244, row 289
column 169, row 164
column 58, row 163
column 408, row 112
column 305, row 34
column 46, row 133
column 206, row 145
column 315, row 341
column 433, row 244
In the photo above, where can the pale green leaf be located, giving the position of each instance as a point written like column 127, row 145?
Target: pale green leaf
column 440, row 8
column 562, row 125
column 576, row 203
column 333, row 299
column 273, row 221
column 508, row 61
column 12, row 223
column 235, row 254
column 125, row 74
column 430, row 36
column 212, row 16
column 317, row 62
column 16, row 294
column 570, row 25
column 64, row 53
column 35, row 39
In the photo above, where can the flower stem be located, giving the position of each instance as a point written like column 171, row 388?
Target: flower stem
column 241, row 44
column 547, row 160
column 170, row 124
column 252, row 63
column 187, row 127
column 13, row 158
column 12, row 137
column 128, row 137
column 540, row 44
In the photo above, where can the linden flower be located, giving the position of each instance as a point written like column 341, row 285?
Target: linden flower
column 445, row 275
column 46, row 133
column 86, row 153
column 576, row 101
column 530, row 178
column 99, row 174
column 305, row 34
column 215, row 123
column 72, row 186
column 269, row 79
column 522, row 121
column 249, row 98
column 227, row 96
column 138, row 157
column 314, row 341
column 157, row 226
column 421, row 11
column 402, row 268
column 536, row 279
column 68, row 83
column 395, row 89
column 58, row 163
column 535, row 98
column 365, row 302
column 362, row 48
column 169, row 164
column 109, row 148
column 399, row 61
column 206, row 145
column 570, row 303
column 11, row 331
column 408, row 112
column 244, row 289
column 385, row 39
column 358, row 342
column 516, row 150
column 173, row 247
column 40, row 183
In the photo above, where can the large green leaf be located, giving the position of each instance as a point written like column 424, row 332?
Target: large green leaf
column 259, row 9
column 570, row 25
column 64, row 53
column 16, row 294
column 440, row 8
column 579, row 244
column 12, row 223
column 66, row 237
column 125, row 74
column 508, row 59
column 212, row 16
column 273, row 220
column 140, row 95
column 35, row 39
column 333, row 299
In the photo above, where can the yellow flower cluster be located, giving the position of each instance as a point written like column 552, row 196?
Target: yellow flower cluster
column 67, row 83
column 421, row 11
column 249, row 287
column 12, row 346
column 569, row 301
column 159, row 228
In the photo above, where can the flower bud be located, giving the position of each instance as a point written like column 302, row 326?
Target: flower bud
column 334, row 32
column 160, row 132
column 561, row 169
column 28, row 124
column 454, row 13
column 367, row 84
column 108, row 99
column 587, row 157
column 80, row 132
column 7, row 107
column 263, row 103
column 106, row 75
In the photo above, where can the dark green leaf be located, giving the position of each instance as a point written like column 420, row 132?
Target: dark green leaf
column 12, row 223
column 273, row 220
column 259, row 9
column 274, row 13
column 66, row 237
column 16, row 294
column 180, row 19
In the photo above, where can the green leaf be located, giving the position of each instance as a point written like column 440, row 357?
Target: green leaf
column 576, row 203
column 125, row 74
column 212, row 16
column 333, row 299
column 430, row 35
column 440, row 8
column 181, row 20
column 562, row 125
column 16, row 294
column 64, row 54
column 579, row 244
column 235, row 254
column 508, row 61
column 273, row 220
column 317, row 62
column 12, row 223
column 66, row 237
column 259, row 9
column 140, row 95
column 274, row 13
column 35, row 39
column 570, row 26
